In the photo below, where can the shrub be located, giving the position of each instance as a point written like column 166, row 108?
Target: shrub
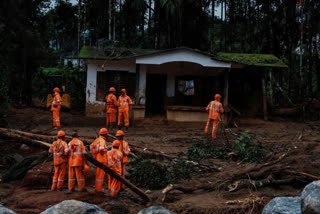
column 247, row 150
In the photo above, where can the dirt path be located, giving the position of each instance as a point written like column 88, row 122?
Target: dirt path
column 300, row 141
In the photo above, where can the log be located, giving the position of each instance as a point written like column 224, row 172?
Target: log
column 258, row 170
column 119, row 178
column 247, row 183
column 185, row 189
column 18, row 134
column 88, row 157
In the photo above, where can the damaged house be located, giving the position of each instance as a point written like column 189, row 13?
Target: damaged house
column 177, row 84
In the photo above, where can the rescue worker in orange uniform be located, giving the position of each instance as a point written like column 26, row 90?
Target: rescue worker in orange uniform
column 115, row 158
column 55, row 108
column 214, row 109
column 99, row 150
column 76, row 163
column 60, row 151
column 124, row 102
column 125, row 149
column 112, row 105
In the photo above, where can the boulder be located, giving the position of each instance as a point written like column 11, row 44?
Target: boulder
column 74, row 207
column 155, row 210
column 310, row 198
column 283, row 205
column 4, row 210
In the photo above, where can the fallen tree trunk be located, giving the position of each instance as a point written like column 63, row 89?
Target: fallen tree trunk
column 88, row 157
column 16, row 134
column 246, row 183
column 119, row 178
column 184, row 189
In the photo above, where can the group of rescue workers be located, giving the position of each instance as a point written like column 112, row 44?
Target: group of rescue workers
column 73, row 154
column 112, row 107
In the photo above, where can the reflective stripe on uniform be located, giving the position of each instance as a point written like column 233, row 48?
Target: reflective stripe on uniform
column 60, row 180
column 71, row 179
column 113, row 190
column 80, row 179
column 99, row 180
column 54, row 180
column 58, row 153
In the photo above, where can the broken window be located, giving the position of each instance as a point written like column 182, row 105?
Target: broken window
column 117, row 79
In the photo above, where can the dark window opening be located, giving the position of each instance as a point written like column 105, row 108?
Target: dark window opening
column 117, row 79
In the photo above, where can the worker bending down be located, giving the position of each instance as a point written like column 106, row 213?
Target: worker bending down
column 60, row 150
column 125, row 149
column 112, row 105
column 115, row 158
column 214, row 109
column 124, row 101
column 76, row 164
column 99, row 150
column 55, row 108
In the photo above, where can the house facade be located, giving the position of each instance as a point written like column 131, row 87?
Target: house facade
column 175, row 84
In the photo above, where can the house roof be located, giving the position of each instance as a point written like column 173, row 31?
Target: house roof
column 262, row 60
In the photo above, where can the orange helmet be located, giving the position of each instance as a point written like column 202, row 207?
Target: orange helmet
column 56, row 89
column 61, row 133
column 103, row 131
column 124, row 90
column 217, row 97
column 119, row 133
column 112, row 89
column 86, row 169
column 116, row 143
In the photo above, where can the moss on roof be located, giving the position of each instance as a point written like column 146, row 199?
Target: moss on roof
column 264, row 60
column 112, row 53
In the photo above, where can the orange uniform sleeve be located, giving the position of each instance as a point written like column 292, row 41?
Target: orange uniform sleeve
column 51, row 148
column 66, row 148
column 115, row 102
column 93, row 147
column 82, row 148
column 126, row 149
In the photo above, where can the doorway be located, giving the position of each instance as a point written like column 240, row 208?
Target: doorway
column 155, row 94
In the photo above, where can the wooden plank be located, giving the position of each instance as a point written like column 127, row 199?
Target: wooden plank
column 226, row 88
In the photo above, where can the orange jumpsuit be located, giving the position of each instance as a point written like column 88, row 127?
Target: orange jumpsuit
column 76, row 163
column 111, row 108
column 55, row 108
column 124, row 147
column 215, row 109
column 124, row 102
column 60, row 151
column 101, row 156
column 115, row 158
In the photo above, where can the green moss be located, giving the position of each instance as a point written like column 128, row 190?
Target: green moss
column 265, row 60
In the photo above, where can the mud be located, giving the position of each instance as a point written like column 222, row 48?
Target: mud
column 301, row 142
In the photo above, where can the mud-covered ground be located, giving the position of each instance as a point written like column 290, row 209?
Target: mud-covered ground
column 300, row 141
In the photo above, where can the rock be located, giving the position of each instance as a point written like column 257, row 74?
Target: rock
column 74, row 207
column 4, row 210
column 24, row 147
column 155, row 210
column 310, row 198
column 283, row 205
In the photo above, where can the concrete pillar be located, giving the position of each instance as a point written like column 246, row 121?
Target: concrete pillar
column 171, row 83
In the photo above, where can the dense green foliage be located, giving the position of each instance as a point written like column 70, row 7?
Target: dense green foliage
column 244, row 148
column 73, row 78
column 153, row 175
column 247, row 150
column 38, row 33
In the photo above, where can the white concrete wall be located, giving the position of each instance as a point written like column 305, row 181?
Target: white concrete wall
column 104, row 65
